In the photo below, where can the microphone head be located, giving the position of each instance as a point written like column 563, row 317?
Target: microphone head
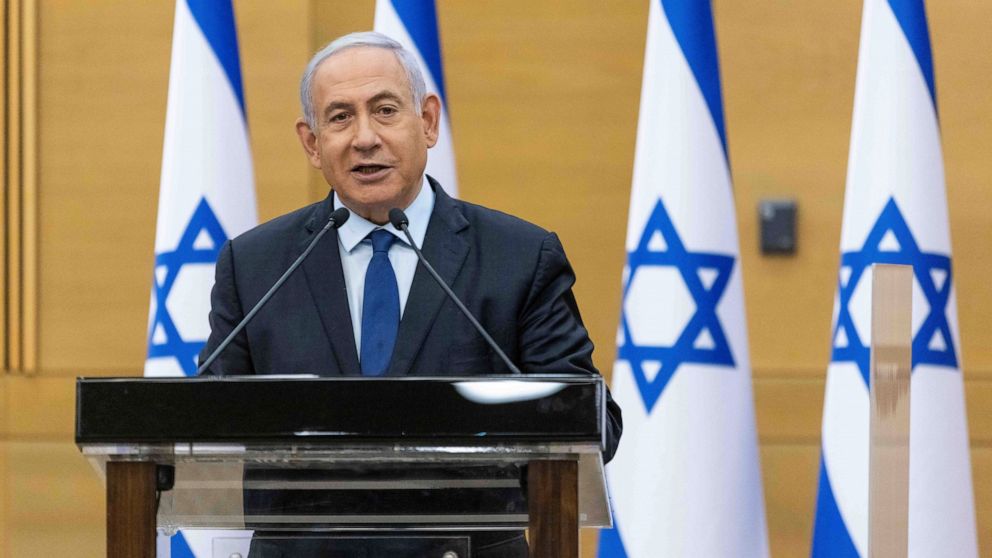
column 339, row 216
column 398, row 218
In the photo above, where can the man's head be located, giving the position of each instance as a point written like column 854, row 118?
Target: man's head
column 367, row 122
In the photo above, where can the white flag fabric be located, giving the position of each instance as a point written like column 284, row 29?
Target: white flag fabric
column 895, row 211
column 413, row 23
column 206, row 196
column 686, row 479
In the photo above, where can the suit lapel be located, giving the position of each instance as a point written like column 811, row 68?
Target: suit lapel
column 445, row 248
column 325, row 278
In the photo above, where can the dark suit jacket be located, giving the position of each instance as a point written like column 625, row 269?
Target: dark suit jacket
column 512, row 275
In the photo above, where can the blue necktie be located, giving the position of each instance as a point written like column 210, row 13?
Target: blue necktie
column 381, row 307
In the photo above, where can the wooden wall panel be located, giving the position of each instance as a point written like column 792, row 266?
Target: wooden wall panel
column 5, row 477
column 104, row 75
column 978, row 397
column 544, row 107
column 28, row 236
column 18, row 178
column 788, row 76
column 56, row 502
column 12, row 190
column 788, row 411
column 964, row 77
column 104, row 78
column 4, row 407
column 789, row 473
column 4, row 290
column 5, row 481
column 41, row 408
column 981, row 464
column 274, row 49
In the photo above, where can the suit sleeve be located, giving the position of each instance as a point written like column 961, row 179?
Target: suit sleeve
column 225, row 313
column 552, row 338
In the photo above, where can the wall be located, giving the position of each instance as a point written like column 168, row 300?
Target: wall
column 544, row 99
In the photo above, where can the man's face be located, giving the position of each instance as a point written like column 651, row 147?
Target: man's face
column 371, row 141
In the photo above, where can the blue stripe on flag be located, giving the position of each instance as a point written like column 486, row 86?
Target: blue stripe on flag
column 610, row 543
column 912, row 17
column 830, row 536
column 692, row 24
column 216, row 20
column 179, row 548
column 420, row 19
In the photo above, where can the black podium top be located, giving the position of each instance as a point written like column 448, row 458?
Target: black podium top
column 267, row 409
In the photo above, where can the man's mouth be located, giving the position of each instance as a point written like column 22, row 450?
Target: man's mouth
column 368, row 170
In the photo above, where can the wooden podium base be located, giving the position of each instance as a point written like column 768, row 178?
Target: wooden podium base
column 130, row 509
column 553, row 503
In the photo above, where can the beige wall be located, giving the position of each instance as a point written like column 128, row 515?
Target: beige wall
column 544, row 99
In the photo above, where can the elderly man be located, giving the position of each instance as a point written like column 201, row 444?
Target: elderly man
column 361, row 305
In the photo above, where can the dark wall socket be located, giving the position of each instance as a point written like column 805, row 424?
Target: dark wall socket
column 778, row 226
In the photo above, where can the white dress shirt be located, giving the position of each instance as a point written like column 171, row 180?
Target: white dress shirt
column 356, row 252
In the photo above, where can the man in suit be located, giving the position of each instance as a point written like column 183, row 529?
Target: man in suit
column 361, row 305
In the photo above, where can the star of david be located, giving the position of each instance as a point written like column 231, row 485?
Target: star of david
column 200, row 244
column 702, row 339
column 891, row 242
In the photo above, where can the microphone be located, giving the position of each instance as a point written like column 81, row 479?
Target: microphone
column 337, row 218
column 399, row 220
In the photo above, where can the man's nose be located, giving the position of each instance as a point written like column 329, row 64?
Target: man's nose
column 366, row 136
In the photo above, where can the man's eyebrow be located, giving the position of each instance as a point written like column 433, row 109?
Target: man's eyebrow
column 336, row 105
column 385, row 96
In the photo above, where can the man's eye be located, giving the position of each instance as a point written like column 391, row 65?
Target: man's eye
column 388, row 111
column 339, row 117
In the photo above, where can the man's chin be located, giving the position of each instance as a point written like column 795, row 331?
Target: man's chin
column 374, row 208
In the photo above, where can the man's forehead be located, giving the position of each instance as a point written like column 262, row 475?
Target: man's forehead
column 358, row 65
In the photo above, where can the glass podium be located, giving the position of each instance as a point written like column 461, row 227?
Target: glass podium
column 339, row 466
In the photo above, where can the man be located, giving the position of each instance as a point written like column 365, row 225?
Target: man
column 361, row 305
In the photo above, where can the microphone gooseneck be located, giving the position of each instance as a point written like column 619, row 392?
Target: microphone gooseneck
column 336, row 219
column 399, row 220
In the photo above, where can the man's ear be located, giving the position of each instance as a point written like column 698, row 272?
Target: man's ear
column 432, row 118
column 309, row 141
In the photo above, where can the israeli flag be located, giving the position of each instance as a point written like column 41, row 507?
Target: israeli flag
column 207, row 195
column 686, row 481
column 895, row 211
column 413, row 23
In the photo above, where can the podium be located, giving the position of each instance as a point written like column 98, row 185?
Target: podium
column 315, row 461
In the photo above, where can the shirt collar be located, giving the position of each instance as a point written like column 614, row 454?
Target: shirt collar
column 356, row 228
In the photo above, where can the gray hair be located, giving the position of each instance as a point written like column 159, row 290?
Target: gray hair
column 373, row 39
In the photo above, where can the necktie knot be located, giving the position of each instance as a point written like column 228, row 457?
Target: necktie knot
column 381, row 240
